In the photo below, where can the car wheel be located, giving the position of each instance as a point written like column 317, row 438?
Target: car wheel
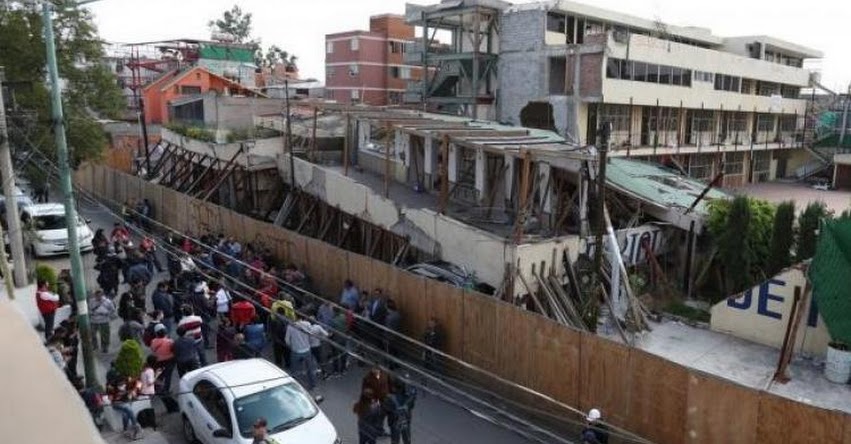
column 188, row 431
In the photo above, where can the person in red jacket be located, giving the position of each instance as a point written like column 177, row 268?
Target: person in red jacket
column 47, row 303
column 242, row 313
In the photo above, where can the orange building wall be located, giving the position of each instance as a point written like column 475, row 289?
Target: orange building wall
column 158, row 95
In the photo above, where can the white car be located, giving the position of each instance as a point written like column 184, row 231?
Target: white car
column 51, row 229
column 220, row 404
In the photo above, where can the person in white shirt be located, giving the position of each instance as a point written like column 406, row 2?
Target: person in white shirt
column 301, row 361
column 148, row 378
column 223, row 299
column 192, row 324
column 317, row 333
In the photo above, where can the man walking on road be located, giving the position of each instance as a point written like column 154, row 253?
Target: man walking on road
column 301, row 360
column 163, row 301
column 103, row 311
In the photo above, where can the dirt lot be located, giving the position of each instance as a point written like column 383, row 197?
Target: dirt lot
column 802, row 194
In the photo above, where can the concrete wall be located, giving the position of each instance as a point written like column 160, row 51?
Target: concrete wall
column 260, row 152
column 230, row 113
column 761, row 315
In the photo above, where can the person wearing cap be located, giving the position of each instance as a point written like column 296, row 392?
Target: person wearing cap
column 261, row 433
column 595, row 432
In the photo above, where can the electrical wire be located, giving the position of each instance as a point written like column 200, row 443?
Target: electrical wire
column 625, row 434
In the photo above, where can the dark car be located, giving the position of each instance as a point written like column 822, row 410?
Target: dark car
column 451, row 274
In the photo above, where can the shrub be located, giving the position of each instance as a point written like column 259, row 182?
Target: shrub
column 44, row 272
column 808, row 225
column 782, row 238
column 130, row 359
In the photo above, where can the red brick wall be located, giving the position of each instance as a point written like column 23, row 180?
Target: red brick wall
column 392, row 25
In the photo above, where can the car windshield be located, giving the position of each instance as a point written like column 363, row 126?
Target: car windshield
column 284, row 406
column 50, row 222
column 53, row 222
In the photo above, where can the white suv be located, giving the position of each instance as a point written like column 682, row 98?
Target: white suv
column 51, row 229
column 220, row 404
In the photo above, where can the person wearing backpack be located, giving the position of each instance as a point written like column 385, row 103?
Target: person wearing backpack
column 399, row 405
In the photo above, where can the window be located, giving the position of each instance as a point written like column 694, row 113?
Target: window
column 788, row 124
column 355, row 94
column 761, row 162
column 790, row 92
column 186, row 89
column 213, row 401
column 734, row 163
column 665, row 75
column 702, row 121
column 613, row 68
column 394, row 97
column 394, row 72
column 329, row 47
column 652, row 73
column 724, row 82
column 686, row 78
column 396, row 47
column 676, row 76
column 330, row 71
column 640, row 71
column 556, row 23
column 354, row 69
column 700, row 166
column 354, row 44
column 626, row 70
column 405, row 73
column 280, row 405
column 703, row 76
column 764, row 123
column 618, row 115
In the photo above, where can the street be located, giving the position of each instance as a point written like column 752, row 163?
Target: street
column 434, row 420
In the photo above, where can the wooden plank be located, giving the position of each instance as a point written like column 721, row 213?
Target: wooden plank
column 360, row 271
column 604, row 378
column 154, row 194
column 480, row 324
column 172, row 206
column 846, row 439
column 410, row 297
column 384, row 276
column 784, row 421
column 657, row 399
column 327, row 268
column 718, row 411
column 296, row 246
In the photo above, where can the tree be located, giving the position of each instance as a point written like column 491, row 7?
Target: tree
column 130, row 359
column 782, row 238
column 275, row 55
column 733, row 246
column 808, row 225
column 235, row 23
column 90, row 89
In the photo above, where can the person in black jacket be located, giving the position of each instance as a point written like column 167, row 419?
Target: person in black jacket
column 163, row 301
column 108, row 279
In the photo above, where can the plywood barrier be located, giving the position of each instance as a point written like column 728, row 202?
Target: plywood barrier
column 785, row 421
column 718, row 411
column 446, row 304
column 604, row 378
column 658, row 399
column 479, row 332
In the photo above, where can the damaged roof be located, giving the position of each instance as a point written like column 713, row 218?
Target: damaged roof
column 656, row 185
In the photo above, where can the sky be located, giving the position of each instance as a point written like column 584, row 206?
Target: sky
column 299, row 26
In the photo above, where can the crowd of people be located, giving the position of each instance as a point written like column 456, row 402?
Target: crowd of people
column 234, row 298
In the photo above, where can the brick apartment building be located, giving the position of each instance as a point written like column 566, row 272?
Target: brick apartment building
column 368, row 66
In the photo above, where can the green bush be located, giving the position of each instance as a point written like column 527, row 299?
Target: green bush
column 130, row 359
column 44, row 272
column 686, row 312
column 808, row 226
column 193, row 132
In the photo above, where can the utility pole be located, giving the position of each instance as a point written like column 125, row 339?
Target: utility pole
column 289, row 138
column 145, row 137
column 58, row 120
column 599, row 209
column 13, row 221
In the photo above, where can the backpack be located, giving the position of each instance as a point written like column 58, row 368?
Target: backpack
column 124, row 332
column 402, row 412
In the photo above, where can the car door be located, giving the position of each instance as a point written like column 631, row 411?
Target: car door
column 202, row 419
column 212, row 413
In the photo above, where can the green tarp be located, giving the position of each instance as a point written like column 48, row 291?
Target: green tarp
column 830, row 274
column 215, row 52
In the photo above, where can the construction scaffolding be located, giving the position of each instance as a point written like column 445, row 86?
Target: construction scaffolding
column 460, row 76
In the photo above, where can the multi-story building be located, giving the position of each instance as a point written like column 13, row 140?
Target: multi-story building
column 368, row 66
column 679, row 95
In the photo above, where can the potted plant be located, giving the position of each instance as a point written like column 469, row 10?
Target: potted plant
column 130, row 359
column 837, row 365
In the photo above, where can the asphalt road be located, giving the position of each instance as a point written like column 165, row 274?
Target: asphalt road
column 434, row 420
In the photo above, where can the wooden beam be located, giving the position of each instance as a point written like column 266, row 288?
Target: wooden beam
column 307, row 214
column 167, row 154
column 185, row 168
column 444, row 175
column 226, row 171
column 346, row 232
column 374, row 242
column 795, row 318
column 312, row 155
column 323, row 232
column 525, row 172
column 214, row 162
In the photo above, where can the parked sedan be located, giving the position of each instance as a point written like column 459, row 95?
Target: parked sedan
column 51, row 230
column 220, row 404
column 451, row 274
